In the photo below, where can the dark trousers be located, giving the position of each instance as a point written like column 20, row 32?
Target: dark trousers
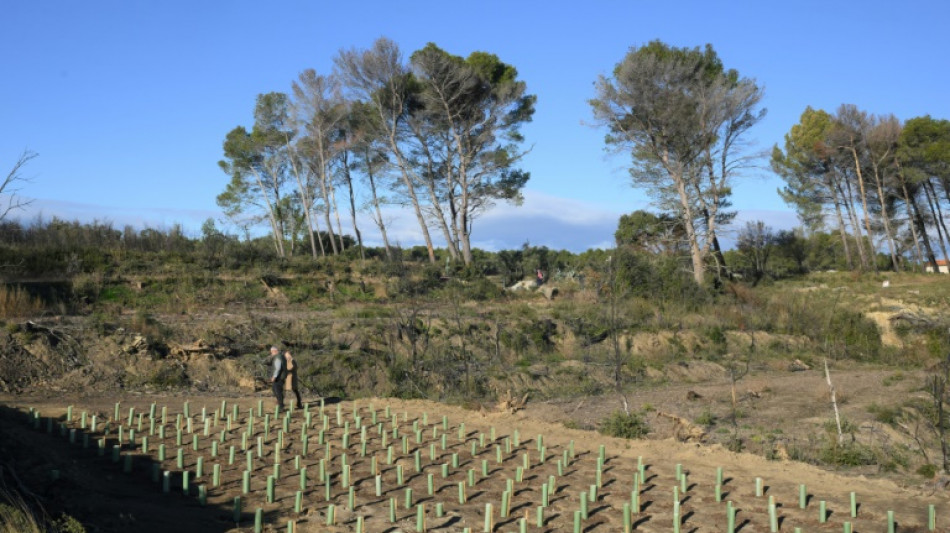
column 279, row 390
column 295, row 387
column 278, row 387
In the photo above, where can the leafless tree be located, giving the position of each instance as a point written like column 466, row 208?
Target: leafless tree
column 12, row 184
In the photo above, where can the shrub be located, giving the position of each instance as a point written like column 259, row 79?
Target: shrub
column 847, row 454
column 884, row 414
column 624, row 425
column 168, row 377
column 928, row 471
column 16, row 516
column 707, row 418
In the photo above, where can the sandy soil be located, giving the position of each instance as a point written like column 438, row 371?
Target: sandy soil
column 95, row 490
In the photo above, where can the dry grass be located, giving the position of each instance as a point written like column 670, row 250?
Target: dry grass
column 17, row 302
column 16, row 516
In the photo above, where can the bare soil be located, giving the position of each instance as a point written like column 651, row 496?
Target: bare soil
column 97, row 492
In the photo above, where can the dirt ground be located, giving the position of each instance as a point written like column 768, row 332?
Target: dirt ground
column 777, row 407
column 95, row 490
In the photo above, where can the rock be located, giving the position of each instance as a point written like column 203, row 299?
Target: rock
column 549, row 292
column 523, row 285
column 684, row 430
column 510, row 404
column 798, row 366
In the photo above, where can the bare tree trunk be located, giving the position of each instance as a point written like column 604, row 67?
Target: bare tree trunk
column 891, row 247
column 938, row 219
column 834, row 403
column 841, row 225
column 322, row 175
column 699, row 267
column 411, row 189
column 864, row 203
column 465, row 228
column 855, row 226
column 276, row 226
column 349, row 187
column 336, row 213
column 378, row 218
column 316, row 229
column 435, row 206
column 307, row 202
column 915, row 221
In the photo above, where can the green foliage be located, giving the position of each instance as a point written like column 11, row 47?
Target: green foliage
column 855, row 336
column 847, row 454
column 894, row 378
column 928, row 471
column 589, row 330
column 885, row 414
column 660, row 278
column 168, row 376
column 67, row 524
column 478, row 289
column 707, row 418
column 624, row 425
column 421, row 284
column 644, row 231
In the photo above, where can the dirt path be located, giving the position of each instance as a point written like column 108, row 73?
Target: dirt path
column 95, row 490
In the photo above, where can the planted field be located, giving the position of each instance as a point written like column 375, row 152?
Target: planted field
column 386, row 466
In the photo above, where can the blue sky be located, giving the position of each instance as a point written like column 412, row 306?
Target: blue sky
column 127, row 102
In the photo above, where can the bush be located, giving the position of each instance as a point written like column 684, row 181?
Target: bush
column 707, row 418
column 928, row 471
column 853, row 336
column 624, row 425
column 847, row 454
column 17, row 517
column 884, row 414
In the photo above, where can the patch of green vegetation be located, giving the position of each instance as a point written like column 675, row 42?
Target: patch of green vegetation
column 847, row 454
column 624, row 425
column 896, row 377
column 885, row 414
column 928, row 471
column 706, row 418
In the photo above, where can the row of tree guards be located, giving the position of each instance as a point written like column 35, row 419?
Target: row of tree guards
column 362, row 464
